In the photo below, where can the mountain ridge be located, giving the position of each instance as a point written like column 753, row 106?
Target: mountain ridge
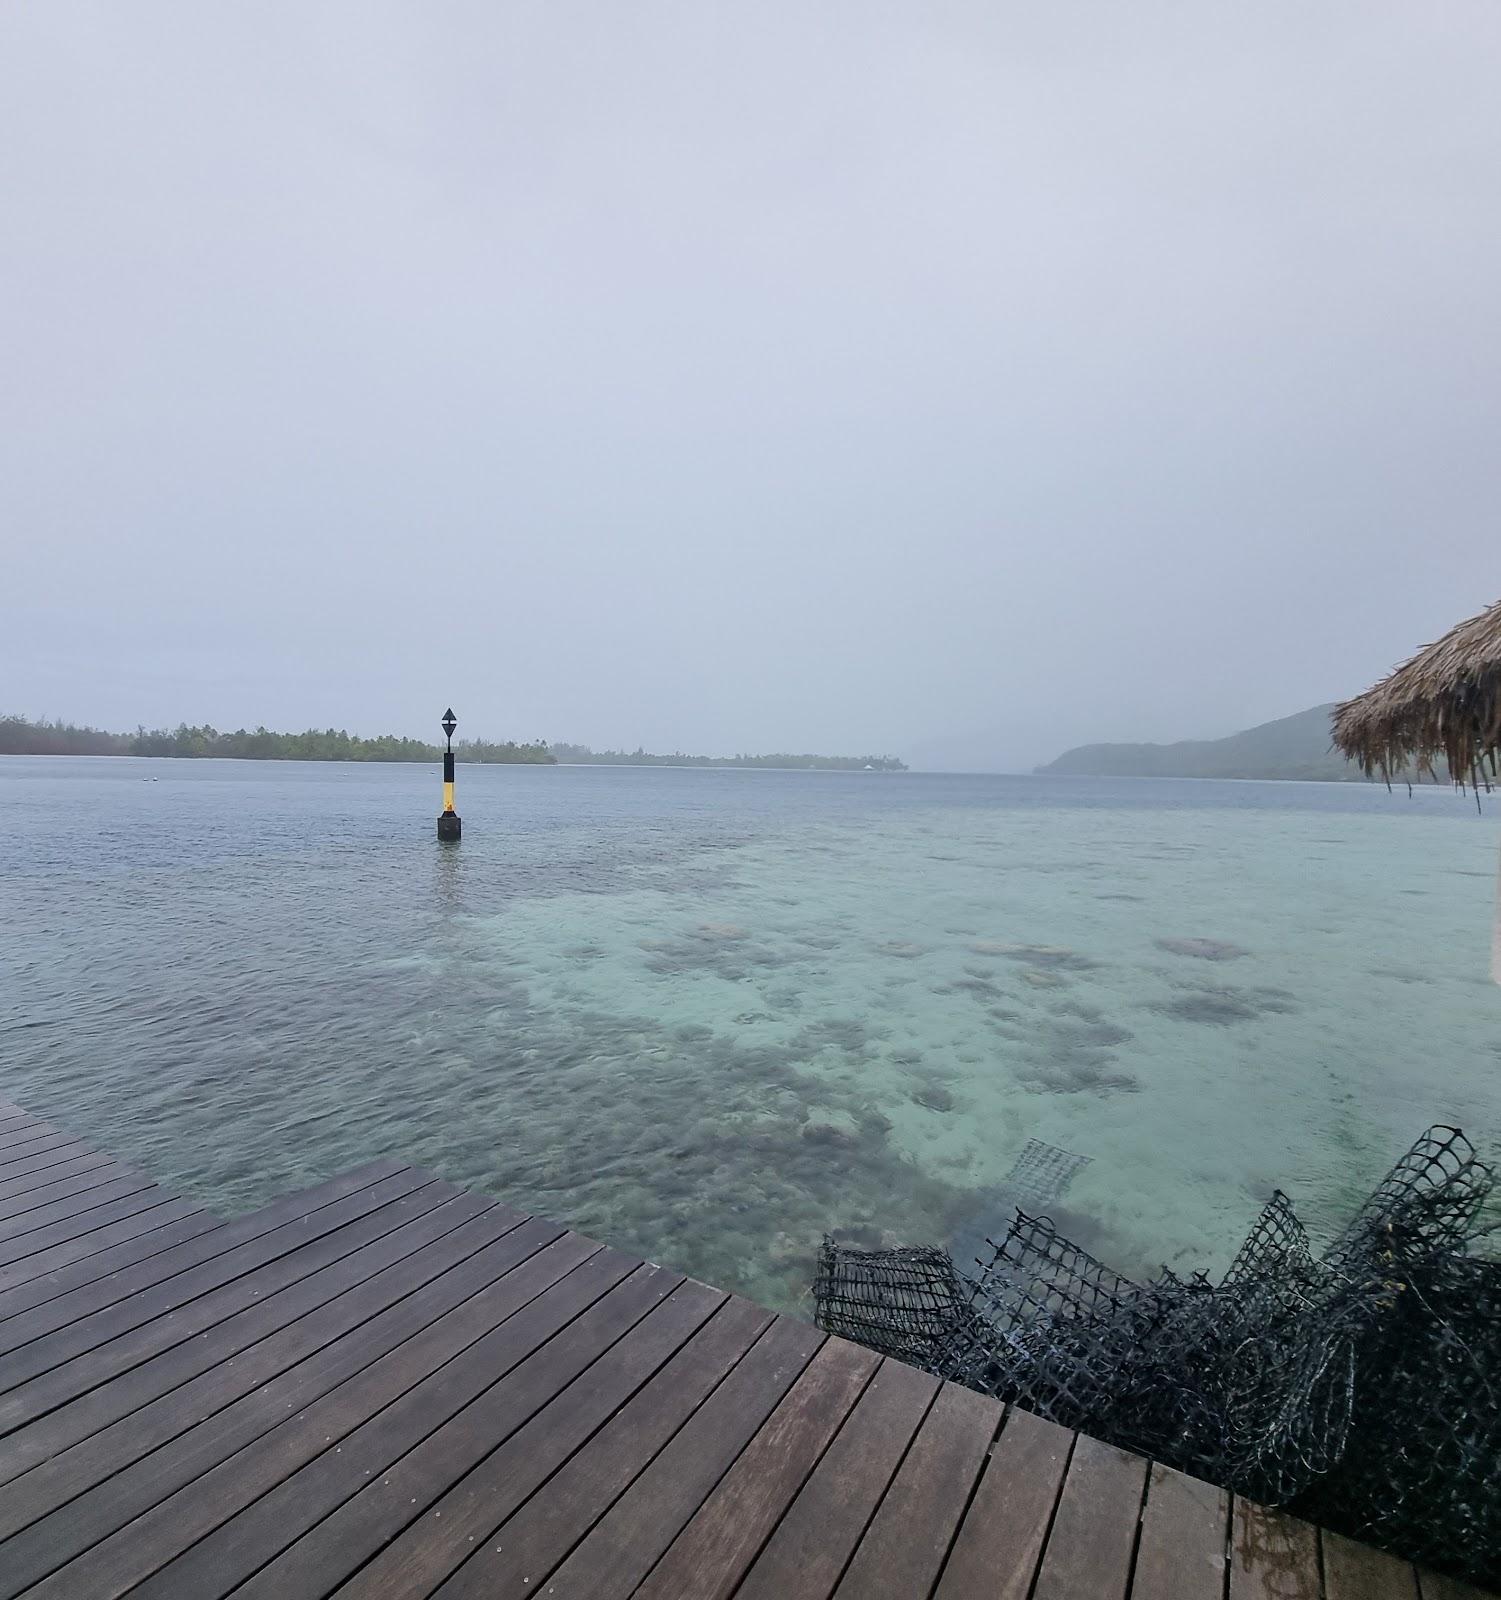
column 1289, row 748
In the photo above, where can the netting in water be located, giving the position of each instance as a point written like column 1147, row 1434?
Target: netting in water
column 1360, row 1387
column 1042, row 1172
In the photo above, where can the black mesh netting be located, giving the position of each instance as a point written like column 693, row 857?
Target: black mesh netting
column 1359, row 1387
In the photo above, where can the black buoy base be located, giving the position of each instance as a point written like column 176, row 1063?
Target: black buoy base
column 450, row 826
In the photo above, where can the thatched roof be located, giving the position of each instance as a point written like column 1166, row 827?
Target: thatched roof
column 1445, row 702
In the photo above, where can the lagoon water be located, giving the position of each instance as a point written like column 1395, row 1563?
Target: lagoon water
column 709, row 1014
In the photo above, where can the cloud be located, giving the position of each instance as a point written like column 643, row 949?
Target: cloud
column 964, row 377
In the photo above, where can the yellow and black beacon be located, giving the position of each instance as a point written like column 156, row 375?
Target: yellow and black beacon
column 450, row 826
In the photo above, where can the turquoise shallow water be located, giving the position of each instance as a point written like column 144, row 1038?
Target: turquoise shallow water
column 708, row 1015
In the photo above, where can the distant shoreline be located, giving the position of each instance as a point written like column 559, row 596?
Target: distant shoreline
column 472, row 761
column 1036, row 774
column 1295, row 749
column 21, row 736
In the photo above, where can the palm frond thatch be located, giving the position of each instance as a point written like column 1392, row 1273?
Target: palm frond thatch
column 1445, row 702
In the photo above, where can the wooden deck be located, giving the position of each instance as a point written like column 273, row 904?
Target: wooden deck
column 388, row 1386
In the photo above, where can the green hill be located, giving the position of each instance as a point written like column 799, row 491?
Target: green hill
column 1292, row 747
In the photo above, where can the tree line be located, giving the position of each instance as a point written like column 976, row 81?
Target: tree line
column 581, row 753
column 24, row 737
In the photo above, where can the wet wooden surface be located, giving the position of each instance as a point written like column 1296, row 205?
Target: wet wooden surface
column 387, row 1386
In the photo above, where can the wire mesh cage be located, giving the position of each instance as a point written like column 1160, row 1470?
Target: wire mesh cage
column 905, row 1303
column 1361, row 1387
column 1042, row 1172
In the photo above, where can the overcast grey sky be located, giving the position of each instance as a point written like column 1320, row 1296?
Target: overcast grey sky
column 963, row 380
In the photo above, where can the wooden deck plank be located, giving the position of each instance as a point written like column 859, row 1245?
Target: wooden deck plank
column 709, row 1557
column 1357, row 1572
column 1088, row 1551
column 66, row 1365
column 14, row 1130
column 35, row 1240
column 1272, row 1556
column 378, row 1317
column 153, row 1541
column 487, row 1459
column 21, row 1168
column 1184, row 1534
column 30, row 1148
column 996, row 1551
column 107, row 1311
column 60, row 1245
column 630, row 1538
column 386, row 1386
column 34, row 1133
column 514, row 1552
column 45, row 1263
column 73, row 1291
column 493, row 1420
column 807, row 1553
column 18, row 1188
column 21, row 1137
column 74, row 1207
column 549, row 1341
column 99, row 1172
column 174, row 1389
column 48, row 1336
column 21, row 1130
column 107, row 1264
column 905, row 1546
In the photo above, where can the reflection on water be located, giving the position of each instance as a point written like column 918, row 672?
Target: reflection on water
column 448, row 877
column 710, row 1015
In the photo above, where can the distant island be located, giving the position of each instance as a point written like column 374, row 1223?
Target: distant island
column 23, row 736
column 1296, row 747
column 581, row 754
column 20, row 736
